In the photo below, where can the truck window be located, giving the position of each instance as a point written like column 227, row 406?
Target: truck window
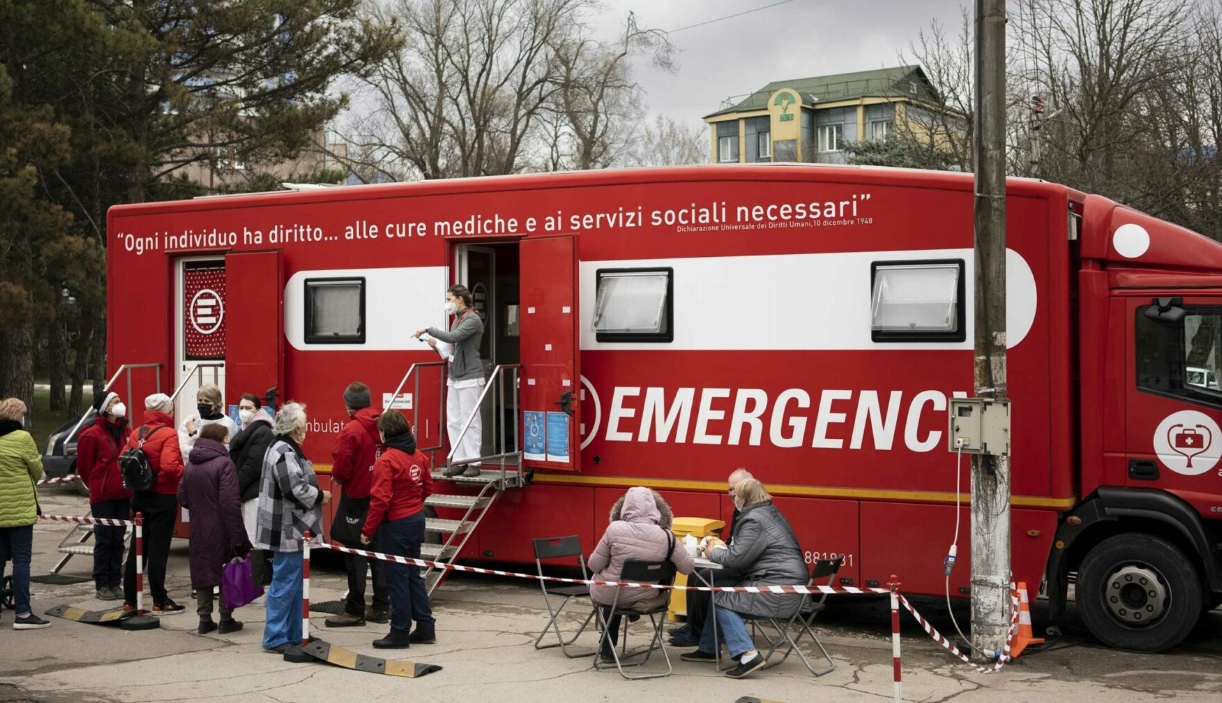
column 917, row 301
column 1181, row 359
column 634, row 305
column 335, row 311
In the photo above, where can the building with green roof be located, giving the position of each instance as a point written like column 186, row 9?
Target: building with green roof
column 810, row 119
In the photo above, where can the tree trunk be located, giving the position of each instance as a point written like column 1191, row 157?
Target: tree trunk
column 80, row 365
column 58, row 358
column 17, row 374
column 97, row 352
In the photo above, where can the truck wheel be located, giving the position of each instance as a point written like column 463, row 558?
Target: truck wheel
column 1139, row 592
column 81, row 488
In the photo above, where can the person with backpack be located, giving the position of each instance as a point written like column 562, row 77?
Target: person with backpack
column 20, row 468
column 97, row 465
column 152, row 467
column 353, row 457
column 209, row 489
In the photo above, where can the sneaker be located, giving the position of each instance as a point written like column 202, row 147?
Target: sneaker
column 680, row 630
column 698, row 656
column 117, row 591
column 129, row 608
column 229, row 627
column 377, row 615
column 30, row 622
column 687, row 640
column 472, row 472
column 108, row 594
column 606, row 656
column 452, row 471
column 744, row 668
column 393, row 640
column 423, row 636
column 345, row 620
column 169, row 607
column 206, row 626
column 278, row 649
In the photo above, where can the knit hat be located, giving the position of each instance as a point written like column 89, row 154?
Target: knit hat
column 103, row 400
column 356, row 396
column 159, row 402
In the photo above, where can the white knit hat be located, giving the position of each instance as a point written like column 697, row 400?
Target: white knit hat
column 159, row 402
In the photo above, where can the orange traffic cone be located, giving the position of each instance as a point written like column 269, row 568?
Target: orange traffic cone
column 1024, row 637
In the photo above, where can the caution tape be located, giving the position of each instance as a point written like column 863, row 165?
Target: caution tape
column 61, row 479
column 87, row 520
column 950, row 646
column 811, row 590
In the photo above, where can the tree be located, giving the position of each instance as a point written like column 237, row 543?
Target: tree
column 666, row 142
column 902, row 151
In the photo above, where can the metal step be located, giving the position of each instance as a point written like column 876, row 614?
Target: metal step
column 448, row 527
column 485, row 476
column 434, row 552
column 81, row 550
column 454, row 501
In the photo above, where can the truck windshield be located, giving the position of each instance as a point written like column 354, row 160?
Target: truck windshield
column 1181, row 359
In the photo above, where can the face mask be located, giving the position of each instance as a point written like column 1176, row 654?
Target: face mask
column 245, row 415
column 204, row 409
column 302, row 440
column 119, row 410
column 451, row 307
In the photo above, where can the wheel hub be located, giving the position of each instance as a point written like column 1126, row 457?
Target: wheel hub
column 1136, row 595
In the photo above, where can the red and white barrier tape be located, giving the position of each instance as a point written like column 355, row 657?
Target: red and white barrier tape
column 814, row 590
column 950, row 646
column 109, row 522
column 61, row 479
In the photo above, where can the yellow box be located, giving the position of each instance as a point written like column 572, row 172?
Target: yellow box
column 696, row 527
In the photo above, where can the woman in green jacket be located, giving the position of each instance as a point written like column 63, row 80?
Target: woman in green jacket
column 20, row 467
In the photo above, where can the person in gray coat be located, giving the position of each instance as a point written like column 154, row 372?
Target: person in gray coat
column 466, row 382
column 765, row 552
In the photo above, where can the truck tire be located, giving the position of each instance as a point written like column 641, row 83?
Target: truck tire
column 1139, row 592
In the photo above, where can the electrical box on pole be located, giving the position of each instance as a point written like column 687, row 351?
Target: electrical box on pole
column 980, row 426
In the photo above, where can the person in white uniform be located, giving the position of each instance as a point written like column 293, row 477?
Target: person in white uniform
column 466, row 381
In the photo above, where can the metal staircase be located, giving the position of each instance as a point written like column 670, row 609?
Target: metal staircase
column 446, row 536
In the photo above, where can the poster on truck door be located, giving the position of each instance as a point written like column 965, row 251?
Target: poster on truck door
column 558, row 437
column 534, row 444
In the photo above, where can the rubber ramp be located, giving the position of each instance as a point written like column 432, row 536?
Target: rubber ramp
column 339, row 656
column 91, row 617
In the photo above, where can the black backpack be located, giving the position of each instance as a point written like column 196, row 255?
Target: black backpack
column 135, row 466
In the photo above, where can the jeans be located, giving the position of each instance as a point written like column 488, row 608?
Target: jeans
column 284, row 601
column 409, row 599
column 356, row 566
column 17, row 543
column 159, row 512
column 108, row 543
column 203, row 604
column 731, row 629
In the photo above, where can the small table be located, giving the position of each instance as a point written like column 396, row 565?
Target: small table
column 713, row 567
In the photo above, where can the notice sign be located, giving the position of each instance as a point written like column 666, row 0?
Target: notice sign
column 534, row 435
column 558, row 437
column 403, row 402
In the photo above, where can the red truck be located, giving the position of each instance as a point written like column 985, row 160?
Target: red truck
column 663, row 327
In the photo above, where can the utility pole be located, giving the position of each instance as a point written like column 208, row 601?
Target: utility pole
column 990, row 471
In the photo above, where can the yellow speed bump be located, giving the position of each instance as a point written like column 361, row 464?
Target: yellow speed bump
column 339, row 656
column 92, row 617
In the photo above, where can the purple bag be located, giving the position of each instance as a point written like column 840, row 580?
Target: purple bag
column 237, row 586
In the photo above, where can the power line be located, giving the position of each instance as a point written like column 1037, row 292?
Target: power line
column 719, row 19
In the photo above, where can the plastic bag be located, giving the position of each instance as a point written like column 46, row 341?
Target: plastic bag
column 237, row 586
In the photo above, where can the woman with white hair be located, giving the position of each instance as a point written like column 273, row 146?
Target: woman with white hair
column 290, row 504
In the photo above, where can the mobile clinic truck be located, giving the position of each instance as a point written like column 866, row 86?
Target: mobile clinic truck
column 663, row 327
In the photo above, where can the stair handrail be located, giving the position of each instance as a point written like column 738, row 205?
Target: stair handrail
column 123, row 367
column 416, row 401
column 497, row 373
column 198, row 368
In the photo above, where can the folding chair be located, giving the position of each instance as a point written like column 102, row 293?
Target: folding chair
column 645, row 572
column 552, row 548
column 823, row 569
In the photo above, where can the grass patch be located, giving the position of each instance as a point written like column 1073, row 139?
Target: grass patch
column 43, row 420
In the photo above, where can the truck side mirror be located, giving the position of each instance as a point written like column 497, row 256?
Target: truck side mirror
column 1166, row 311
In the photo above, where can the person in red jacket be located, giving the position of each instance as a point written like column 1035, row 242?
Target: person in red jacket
column 401, row 482
column 97, row 464
column 352, row 469
column 159, row 504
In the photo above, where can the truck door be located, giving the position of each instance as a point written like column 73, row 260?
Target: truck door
column 254, row 349
column 551, row 370
column 1174, row 407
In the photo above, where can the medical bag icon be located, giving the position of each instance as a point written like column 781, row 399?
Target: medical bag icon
column 1189, row 442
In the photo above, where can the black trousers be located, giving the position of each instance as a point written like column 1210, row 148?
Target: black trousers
column 612, row 628
column 108, row 543
column 159, row 512
column 698, row 604
column 356, row 565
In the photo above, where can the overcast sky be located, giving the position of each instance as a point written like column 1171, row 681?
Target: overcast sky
column 796, row 39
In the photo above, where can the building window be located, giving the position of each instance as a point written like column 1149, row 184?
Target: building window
column 830, row 136
column 1180, row 357
column 727, row 141
column 879, row 129
column 335, row 311
column 764, row 140
column 634, row 305
column 917, row 301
